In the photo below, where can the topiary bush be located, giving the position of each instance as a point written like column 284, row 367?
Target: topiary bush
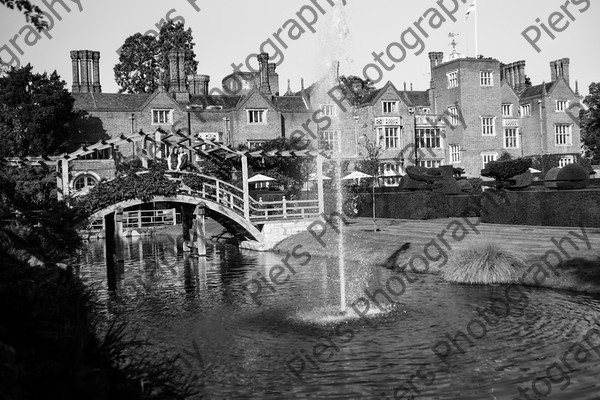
column 572, row 176
column 504, row 170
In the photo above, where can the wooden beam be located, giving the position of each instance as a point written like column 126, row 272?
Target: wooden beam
column 320, row 194
column 245, row 188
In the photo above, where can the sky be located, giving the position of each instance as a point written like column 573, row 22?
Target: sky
column 228, row 31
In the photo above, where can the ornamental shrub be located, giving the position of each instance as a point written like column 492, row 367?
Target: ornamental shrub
column 503, row 170
column 572, row 176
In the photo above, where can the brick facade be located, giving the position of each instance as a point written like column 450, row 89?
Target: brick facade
column 398, row 120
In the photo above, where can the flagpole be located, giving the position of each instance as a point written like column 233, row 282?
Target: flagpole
column 476, row 32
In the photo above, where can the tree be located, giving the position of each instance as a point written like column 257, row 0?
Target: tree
column 144, row 62
column 355, row 89
column 590, row 123
column 35, row 113
column 370, row 163
column 174, row 36
column 32, row 13
column 138, row 70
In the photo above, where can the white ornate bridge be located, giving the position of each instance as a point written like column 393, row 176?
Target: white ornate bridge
column 231, row 205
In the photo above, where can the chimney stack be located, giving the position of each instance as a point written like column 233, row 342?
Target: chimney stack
column 553, row 71
column 85, row 65
column 173, row 71
column 75, row 66
column 199, row 84
column 96, row 88
column 181, row 74
column 84, row 86
column 263, row 62
column 273, row 79
column 565, row 70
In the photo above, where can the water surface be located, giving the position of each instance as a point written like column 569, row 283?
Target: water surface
column 244, row 343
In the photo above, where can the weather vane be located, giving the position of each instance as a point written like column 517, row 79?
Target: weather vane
column 454, row 43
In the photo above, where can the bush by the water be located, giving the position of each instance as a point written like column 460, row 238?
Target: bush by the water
column 482, row 262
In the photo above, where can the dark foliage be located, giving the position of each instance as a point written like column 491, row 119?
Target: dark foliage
column 572, row 172
column 36, row 111
column 503, row 170
column 143, row 186
column 590, row 123
column 144, row 63
column 355, row 89
column 33, row 13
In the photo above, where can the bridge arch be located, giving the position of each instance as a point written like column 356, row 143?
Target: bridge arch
column 224, row 215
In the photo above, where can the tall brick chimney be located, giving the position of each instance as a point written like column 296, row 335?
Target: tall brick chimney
column 84, row 86
column 181, row 73
column 85, row 65
column 273, row 79
column 263, row 62
column 173, row 71
column 553, row 71
column 198, row 84
column 75, row 66
column 435, row 59
column 564, row 69
column 96, row 88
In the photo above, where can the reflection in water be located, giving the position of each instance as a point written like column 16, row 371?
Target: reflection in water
column 244, row 347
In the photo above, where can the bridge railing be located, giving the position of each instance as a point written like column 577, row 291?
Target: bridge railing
column 232, row 197
column 284, row 209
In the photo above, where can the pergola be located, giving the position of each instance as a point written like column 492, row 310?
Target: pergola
column 203, row 147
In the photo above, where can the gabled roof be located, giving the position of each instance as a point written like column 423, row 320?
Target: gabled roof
column 417, row 97
column 290, row 104
column 110, row 101
column 251, row 93
column 161, row 92
column 374, row 95
column 536, row 91
column 225, row 102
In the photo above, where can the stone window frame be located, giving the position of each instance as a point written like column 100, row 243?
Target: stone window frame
column 394, row 105
column 516, row 138
column 564, row 108
column 452, row 79
column 510, row 109
column 485, row 154
column 483, row 118
column 262, row 112
column 486, row 81
column 566, row 137
column 454, row 151
column 566, row 160
column 155, row 114
column 525, row 107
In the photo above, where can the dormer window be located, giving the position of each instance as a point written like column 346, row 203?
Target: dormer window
column 162, row 117
column 389, row 107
